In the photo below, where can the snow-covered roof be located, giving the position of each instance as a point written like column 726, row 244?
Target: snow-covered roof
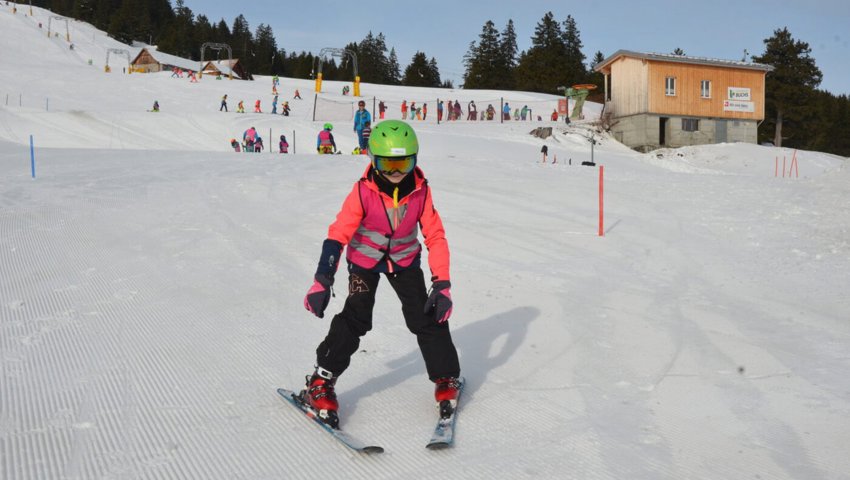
column 172, row 60
column 670, row 57
column 223, row 66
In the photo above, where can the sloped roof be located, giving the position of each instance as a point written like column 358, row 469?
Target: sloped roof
column 167, row 59
column 223, row 66
column 669, row 57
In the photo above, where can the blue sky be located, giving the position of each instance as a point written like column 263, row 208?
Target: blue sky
column 443, row 29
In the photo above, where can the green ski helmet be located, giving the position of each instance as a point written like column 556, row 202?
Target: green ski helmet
column 392, row 138
column 328, row 127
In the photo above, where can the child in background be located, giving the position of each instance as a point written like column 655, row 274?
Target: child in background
column 365, row 134
column 284, row 145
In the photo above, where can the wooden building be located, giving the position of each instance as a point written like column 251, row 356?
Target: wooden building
column 665, row 100
column 225, row 68
column 151, row 60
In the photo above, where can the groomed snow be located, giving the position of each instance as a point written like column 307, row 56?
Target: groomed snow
column 151, row 285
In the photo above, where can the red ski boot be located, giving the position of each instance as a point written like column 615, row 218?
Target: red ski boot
column 320, row 396
column 446, row 393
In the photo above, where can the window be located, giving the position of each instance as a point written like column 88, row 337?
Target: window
column 670, row 86
column 705, row 89
column 690, row 125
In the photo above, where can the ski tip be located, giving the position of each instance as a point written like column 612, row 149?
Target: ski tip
column 372, row 449
column 438, row 446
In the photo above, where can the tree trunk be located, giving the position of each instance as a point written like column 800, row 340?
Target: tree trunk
column 777, row 136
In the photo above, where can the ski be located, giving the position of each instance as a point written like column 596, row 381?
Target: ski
column 444, row 432
column 343, row 437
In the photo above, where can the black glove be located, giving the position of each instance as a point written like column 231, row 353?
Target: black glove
column 319, row 295
column 439, row 303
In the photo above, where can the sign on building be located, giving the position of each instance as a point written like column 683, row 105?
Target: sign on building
column 738, row 93
column 738, row 106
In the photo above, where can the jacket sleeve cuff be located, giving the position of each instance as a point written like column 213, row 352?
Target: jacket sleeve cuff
column 329, row 260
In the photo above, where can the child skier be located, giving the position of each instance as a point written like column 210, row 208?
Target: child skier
column 392, row 188
column 284, row 145
column 365, row 134
column 325, row 142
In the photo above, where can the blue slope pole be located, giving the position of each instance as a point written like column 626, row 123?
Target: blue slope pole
column 32, row 158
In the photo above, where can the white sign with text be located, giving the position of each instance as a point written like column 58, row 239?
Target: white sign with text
column 738, row 106
column 738, row 93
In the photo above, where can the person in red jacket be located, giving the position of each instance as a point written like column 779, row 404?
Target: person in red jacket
column 379, row 223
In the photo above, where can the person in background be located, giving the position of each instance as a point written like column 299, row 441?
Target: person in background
column 362, row 117
column 284, row 145
column 155, row 106
column 297, row 95
column 325, row 142
column 365, row 134
column 545, row 152
column 223, row 103
column 440, row 111
column 257, row 108
column 554, row 116
column 274, row 105
column 235, row 145
column 392, row 187
column 382, row 108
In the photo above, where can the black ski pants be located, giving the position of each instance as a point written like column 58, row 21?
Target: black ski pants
column 355, row 319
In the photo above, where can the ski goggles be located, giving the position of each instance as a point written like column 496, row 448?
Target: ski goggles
column 390, row 165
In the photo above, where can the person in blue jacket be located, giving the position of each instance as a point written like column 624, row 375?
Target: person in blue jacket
column 361, row 118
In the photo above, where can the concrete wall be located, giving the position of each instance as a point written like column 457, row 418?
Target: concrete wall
column 642, row 132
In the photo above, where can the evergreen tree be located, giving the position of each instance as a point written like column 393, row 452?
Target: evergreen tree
column 265, row 49
column 221, row 34
column 508, row 59
column 393, row 69
column 177, row 38
column 791, row 86
column 595, row 77
column 540, row 69
column 483, row 61
column 131, row 22
column 576, row 72
column 372, row 59
column 421, row 72
column 242, row 43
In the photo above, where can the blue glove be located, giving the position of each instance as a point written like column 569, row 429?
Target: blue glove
column 439, row 303
column 319, row 295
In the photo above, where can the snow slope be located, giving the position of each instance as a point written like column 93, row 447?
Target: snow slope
column 152, row 283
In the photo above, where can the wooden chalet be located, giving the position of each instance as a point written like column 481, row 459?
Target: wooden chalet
column 225, row 68
column 665, row 100
column 150, row 60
